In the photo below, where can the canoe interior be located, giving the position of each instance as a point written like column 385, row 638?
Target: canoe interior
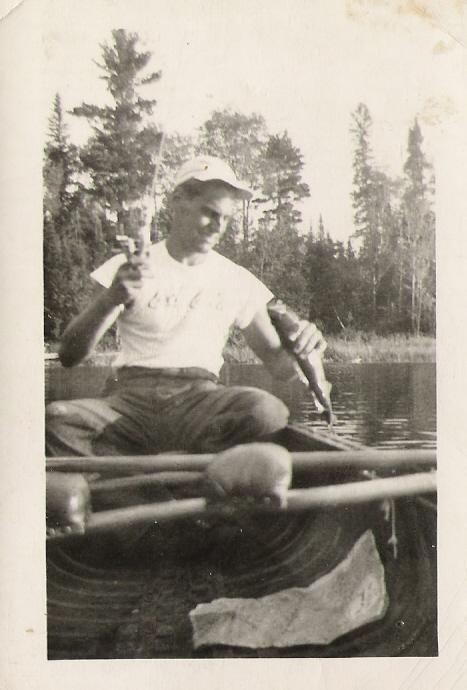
column 297, row 437
column 129, row 595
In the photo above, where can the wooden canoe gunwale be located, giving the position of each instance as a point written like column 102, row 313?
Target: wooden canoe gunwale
column 172, row 469
column 75, row 639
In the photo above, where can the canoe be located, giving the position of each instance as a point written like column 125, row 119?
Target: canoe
column 128, row 594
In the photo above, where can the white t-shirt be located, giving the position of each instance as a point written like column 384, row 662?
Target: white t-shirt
column 183, row 314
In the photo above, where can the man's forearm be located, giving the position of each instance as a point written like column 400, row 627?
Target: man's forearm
column 264, row 340
column 86, row 330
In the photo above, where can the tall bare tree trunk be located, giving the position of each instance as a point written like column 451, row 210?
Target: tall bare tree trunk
column 413, row 295
column 245, row 222
column 373, row 296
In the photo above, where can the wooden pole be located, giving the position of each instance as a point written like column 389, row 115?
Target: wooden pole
column 302, row 461
column 297, row 500
column 180, row 478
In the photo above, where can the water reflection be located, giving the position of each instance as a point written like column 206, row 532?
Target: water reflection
column 384, row 405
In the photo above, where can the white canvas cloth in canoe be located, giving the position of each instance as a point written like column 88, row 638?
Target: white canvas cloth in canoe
column 167, row 325
column 351, row 595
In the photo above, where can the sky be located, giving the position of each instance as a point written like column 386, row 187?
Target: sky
column 303, row 65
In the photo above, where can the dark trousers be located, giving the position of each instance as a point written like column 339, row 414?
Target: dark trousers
column 146, row 411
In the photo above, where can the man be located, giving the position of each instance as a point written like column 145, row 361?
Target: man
column 174, row 306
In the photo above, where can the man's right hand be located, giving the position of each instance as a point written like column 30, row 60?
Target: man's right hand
column 129, row 280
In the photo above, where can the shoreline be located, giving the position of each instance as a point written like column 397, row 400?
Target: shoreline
column 367, row 348
column 362, row 349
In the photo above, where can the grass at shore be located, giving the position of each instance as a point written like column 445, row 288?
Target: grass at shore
column 360, row 347
column 364, row 347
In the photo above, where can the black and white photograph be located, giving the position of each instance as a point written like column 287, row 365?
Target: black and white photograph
column 239, row 219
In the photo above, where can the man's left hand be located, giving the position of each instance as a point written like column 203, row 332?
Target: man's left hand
column 307, row 340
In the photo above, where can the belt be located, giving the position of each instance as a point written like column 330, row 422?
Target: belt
column 130, row 373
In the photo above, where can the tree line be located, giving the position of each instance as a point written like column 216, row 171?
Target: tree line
column 381, row 280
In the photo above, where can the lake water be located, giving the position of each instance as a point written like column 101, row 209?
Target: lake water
column 381, row 405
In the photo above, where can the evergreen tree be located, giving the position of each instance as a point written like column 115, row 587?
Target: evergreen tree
column 375, row 218
column 362, row 170
column 283, row 187
column 322, row 279
column 385, row 220
column 392, row 259
column 120, row 155
column 60, row 166
column 74, row 230
column 419, row 232
column 61, row 264
column 278, row 248
column 350, row 289
column 365, row 197
column 53, row 278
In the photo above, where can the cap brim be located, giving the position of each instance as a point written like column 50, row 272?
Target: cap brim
column 243, row 191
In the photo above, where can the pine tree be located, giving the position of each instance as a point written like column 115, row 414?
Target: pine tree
column 419, row 235
column 363, row 197
column 348, row 289
column 322, row 279
column 74, row 230
column 283, row 186
column 60, row 166
column 278, row 247
column 372, row 198
column 321, row 233
column 59, row 175
column 120, row 155
column 362, row 170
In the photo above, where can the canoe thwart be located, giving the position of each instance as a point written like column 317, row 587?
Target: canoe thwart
column 297, row 500
column 302, row 461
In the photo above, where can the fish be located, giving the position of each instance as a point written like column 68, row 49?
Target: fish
column 286, row 321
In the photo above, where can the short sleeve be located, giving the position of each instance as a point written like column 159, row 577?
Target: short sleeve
column 253, row 296
column 105, row 273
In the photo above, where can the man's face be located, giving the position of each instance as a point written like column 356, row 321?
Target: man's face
column 199, row 222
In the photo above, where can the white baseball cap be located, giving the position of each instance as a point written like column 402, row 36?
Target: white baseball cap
column 204, row 168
